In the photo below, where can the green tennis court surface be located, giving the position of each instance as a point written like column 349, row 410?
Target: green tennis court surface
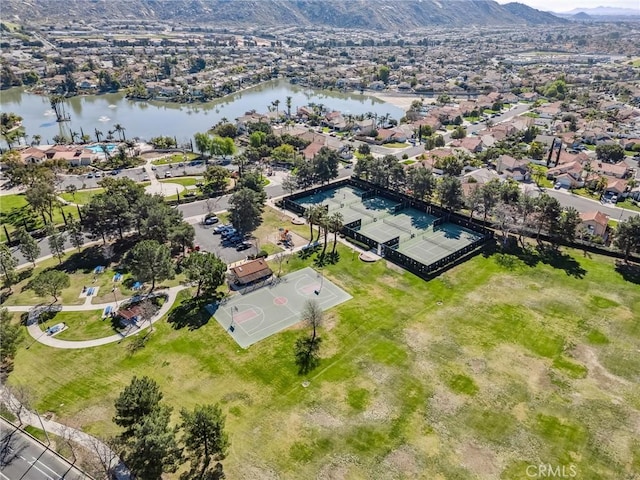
column 257, row 315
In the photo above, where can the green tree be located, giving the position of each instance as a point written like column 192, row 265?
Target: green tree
column 42, row 198
column 314, row 215
column 74, row 229
column 228, row 130
column 257, row 139
column 222, row 146
column 458, row 132
column 8, row 266
column 438, row 141
column 56, row 241
column 335, row 224
column 610, row 153
column 50, row 282
column 246, row 210
column 153, row 449
column 216, row 178
column 326, row 164
column 450, row 193
column 536, row 150
column 10, row 333
column 150, row 261
column 383, row 74
column 451, row 165
column 136, row 401
column 204, row 435
column 283, row 154
column 627, row 236
column 203, row 143
column 182, row 236
column 490, row 196
column 420, row 182
column 28, row 246
column 206, row 270
column 549, row 210
column 567, row 224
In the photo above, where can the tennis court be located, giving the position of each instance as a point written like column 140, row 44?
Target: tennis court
column 257, row 315
column 402, row 224
column 438, row 242
column 334, row 199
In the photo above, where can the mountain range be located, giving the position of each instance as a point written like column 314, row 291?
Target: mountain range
column 605, row 11
column 383, row 15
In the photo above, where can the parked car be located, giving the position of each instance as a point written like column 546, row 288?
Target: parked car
column 97, row 175
column 229, row 232
column 145, row 178
column 90, row 175
column 557, row 186
column 211, row 220
column 221, row 228
column 243, row 246
column 167, row 174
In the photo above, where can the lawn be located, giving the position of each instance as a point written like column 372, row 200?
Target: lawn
column 501, row 362
column 176, row 158
column 80, row 266
column 15, row 212
column 81, row 325
column 81, row 197
column 396, row 145
column 186, row 181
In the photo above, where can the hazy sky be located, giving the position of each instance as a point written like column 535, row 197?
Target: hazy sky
column 565, row 5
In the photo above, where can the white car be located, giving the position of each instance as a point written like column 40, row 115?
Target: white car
column 167, row 175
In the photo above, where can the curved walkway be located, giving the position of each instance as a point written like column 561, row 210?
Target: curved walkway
column 34, row 329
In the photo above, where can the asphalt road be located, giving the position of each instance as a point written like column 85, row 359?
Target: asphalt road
column 23, row 458
column 582, row 205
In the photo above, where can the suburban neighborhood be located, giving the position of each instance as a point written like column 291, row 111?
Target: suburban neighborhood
column 381, row 241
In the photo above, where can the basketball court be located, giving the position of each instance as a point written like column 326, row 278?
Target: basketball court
column 257, row 315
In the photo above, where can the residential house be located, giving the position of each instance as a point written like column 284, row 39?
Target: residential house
column 471, row 144
column 617, row 170
column 616, row 186
column 594, row 222
column 512, row 168
column 74, row 155
column 568, row 175
column 389, row 135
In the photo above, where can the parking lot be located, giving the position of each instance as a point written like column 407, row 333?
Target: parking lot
column 210, row 242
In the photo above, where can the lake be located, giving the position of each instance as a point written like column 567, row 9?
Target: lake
column 150, row 119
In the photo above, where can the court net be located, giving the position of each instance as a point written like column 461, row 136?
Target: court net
column 362, row 210
column 396, row 225
column 445, row 245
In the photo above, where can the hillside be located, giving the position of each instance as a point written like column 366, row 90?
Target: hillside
column 365, row 14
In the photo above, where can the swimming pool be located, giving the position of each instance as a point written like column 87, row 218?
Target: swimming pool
column 99, row 148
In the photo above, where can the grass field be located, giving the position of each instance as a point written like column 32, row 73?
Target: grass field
column 176, row 158
column 81, row 197
column 186, row 181
column 501, row 362
column 15, row 212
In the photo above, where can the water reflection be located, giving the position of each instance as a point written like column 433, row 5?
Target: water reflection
column 149, row 119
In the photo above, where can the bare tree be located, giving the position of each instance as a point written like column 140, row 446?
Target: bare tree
column 104, row 460
column 18, row 401
column 312, row 315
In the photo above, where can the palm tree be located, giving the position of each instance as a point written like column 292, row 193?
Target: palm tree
column 36, row 139
column 98, row 135
column 73, row 136
column 288, row 102
column 276, row 103
column 120, row 129
column 313, row 215
column 336, row 222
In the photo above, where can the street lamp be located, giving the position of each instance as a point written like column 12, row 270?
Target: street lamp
column 113, row 290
